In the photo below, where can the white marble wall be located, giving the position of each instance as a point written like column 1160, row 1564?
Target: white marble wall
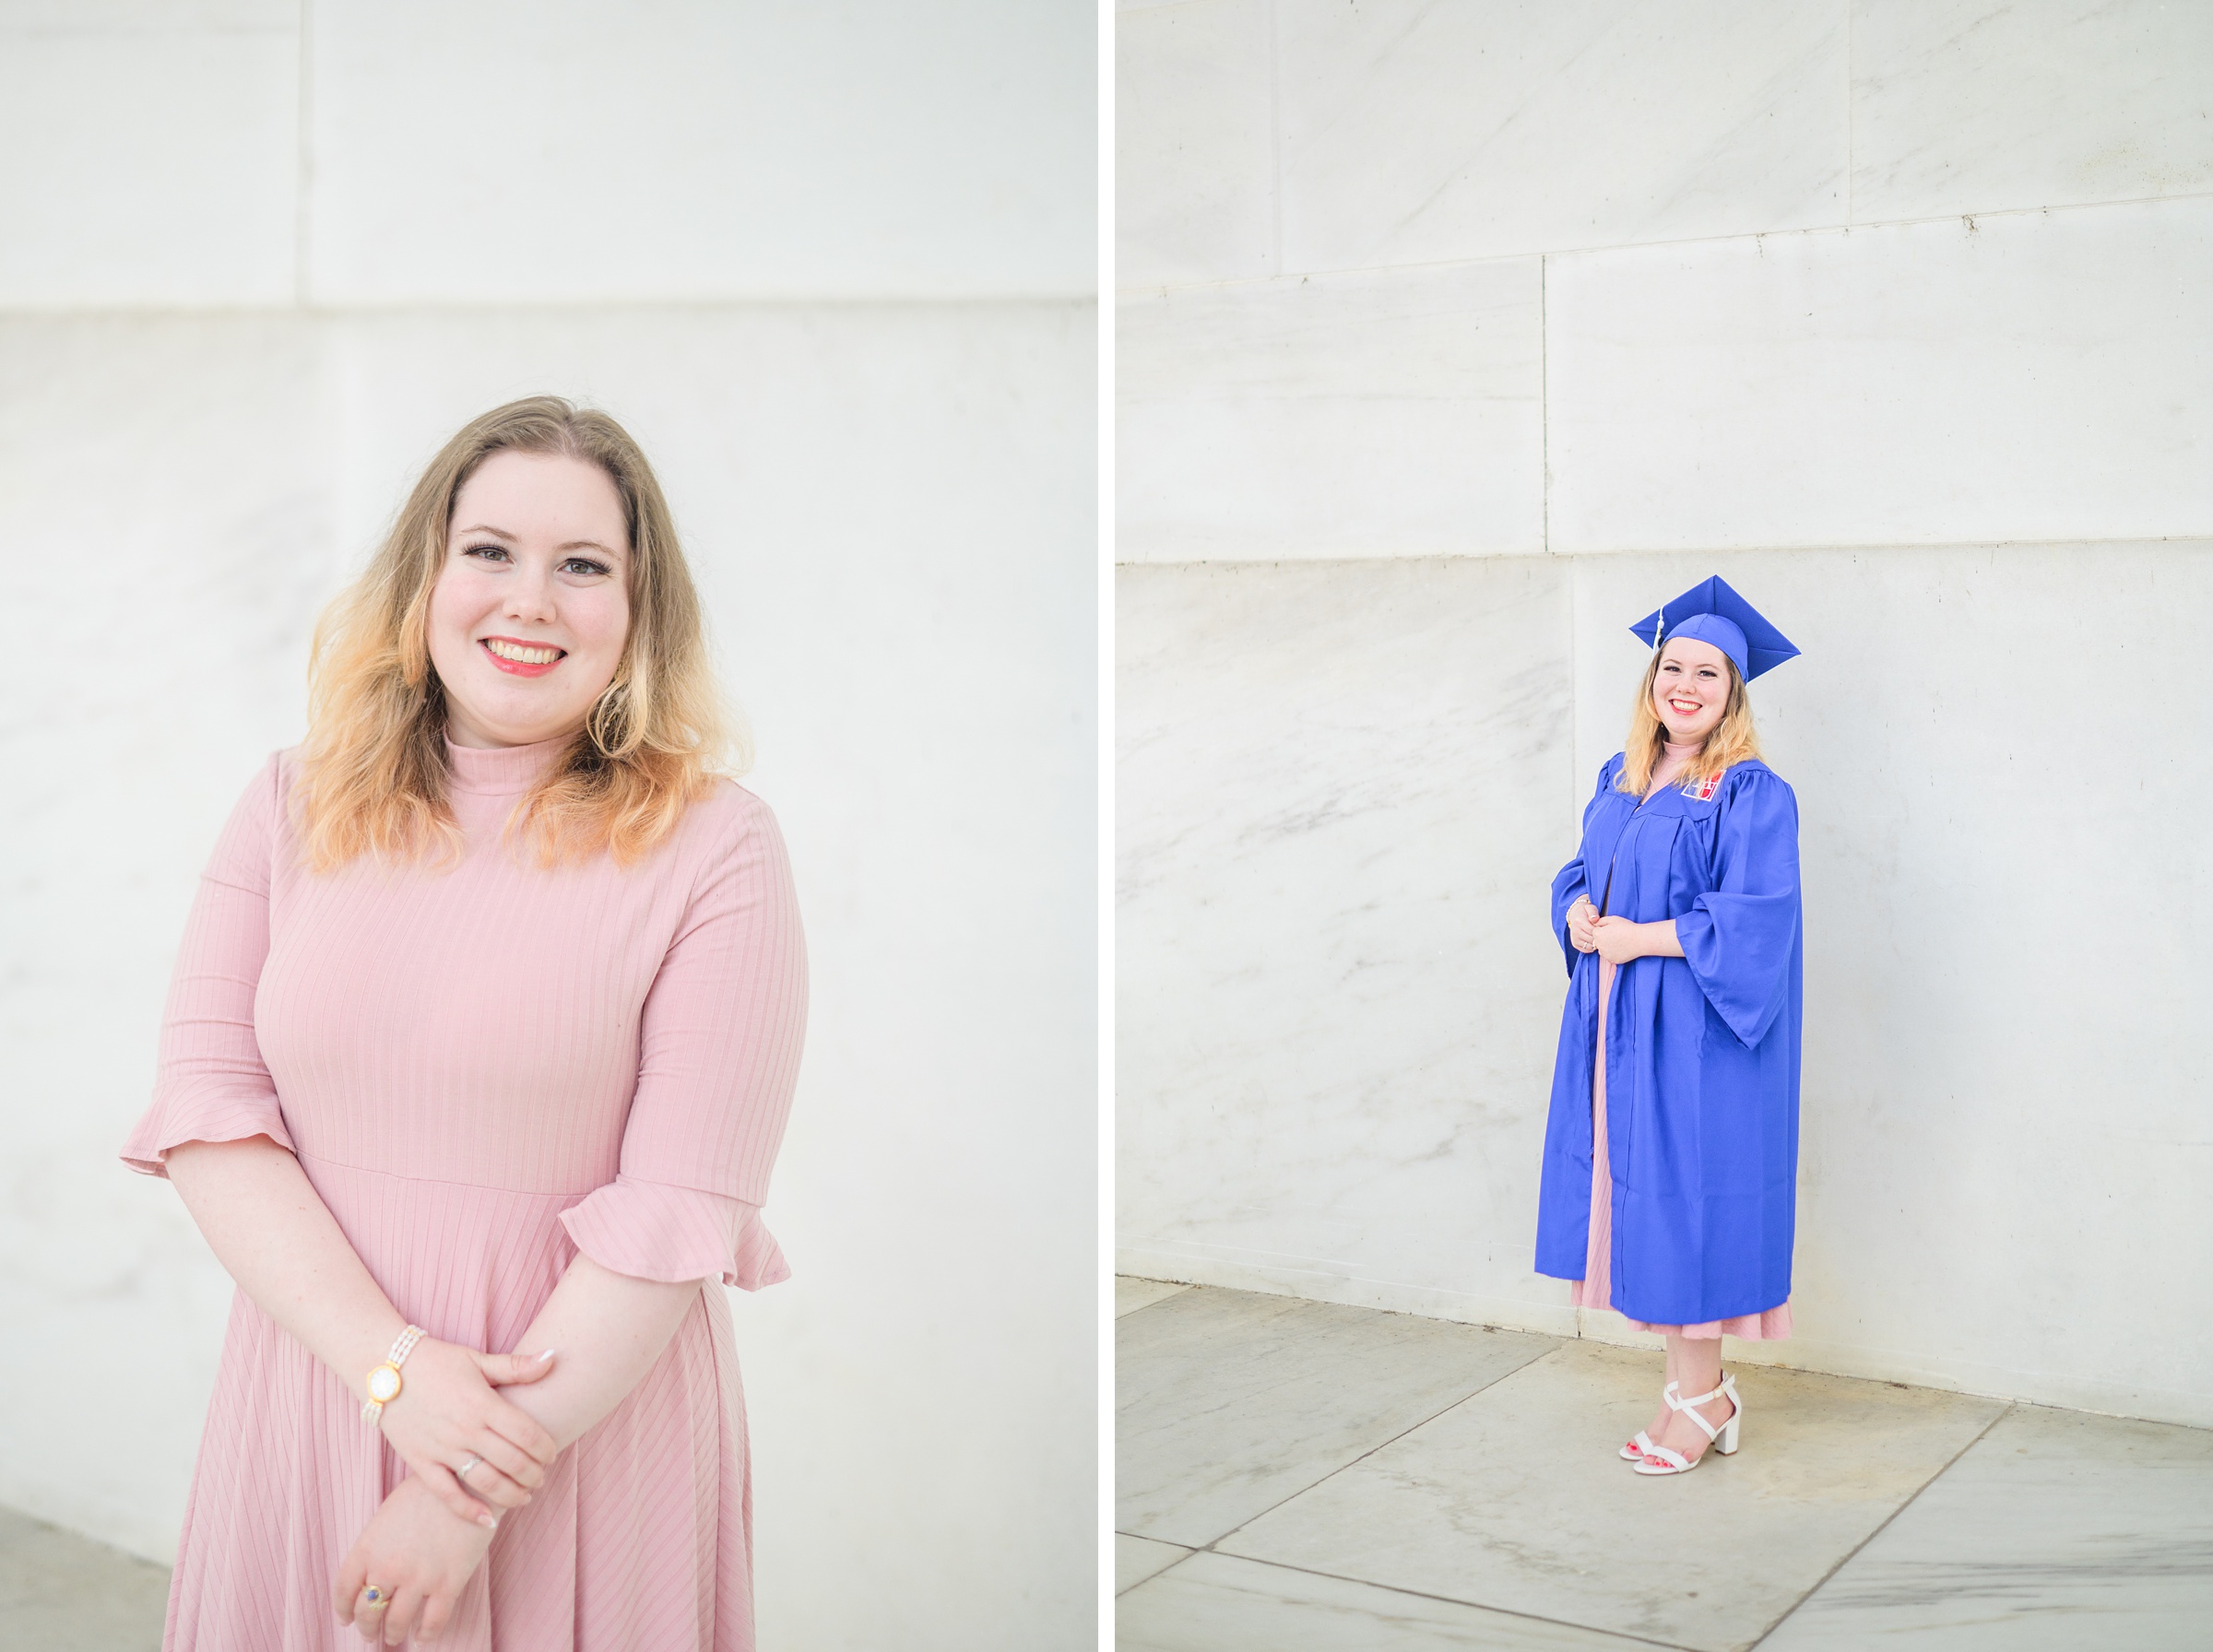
column 1924, row 282
column 1824, row 272
column 1367, row 415
column 1330, row 997
column 891, row 504
column 2036, row 376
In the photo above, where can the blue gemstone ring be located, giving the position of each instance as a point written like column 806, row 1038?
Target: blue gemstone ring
column 374, row 1596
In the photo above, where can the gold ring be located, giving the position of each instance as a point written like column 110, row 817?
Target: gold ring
column 372, row 1595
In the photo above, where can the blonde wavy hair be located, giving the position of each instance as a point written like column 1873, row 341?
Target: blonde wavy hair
column 373, row 770
column 1733, row 739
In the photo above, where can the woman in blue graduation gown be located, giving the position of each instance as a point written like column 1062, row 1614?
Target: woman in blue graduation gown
column 1671, row 1151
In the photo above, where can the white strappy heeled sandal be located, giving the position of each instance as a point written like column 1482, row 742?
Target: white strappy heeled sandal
column 1664, row 1459
column 1634, row 1452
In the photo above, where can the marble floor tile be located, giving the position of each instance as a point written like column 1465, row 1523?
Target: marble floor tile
column 2055, row 1531
column 1216, row 1603
column 1136, row 1558
column 1130, row 1294
column 60, row 1592
column 1229, row 1401
column 1516, row 1500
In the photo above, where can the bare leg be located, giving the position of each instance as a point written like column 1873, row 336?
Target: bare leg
column 1696, row 1364
column 1660, row 1418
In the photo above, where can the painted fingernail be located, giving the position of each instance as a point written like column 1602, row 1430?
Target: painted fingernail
column 487, row 1522
column 545, row 1356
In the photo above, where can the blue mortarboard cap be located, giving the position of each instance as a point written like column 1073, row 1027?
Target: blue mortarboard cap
column 1711, row 612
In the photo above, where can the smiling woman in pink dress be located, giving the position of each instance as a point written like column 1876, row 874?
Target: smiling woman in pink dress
column 478, row 1051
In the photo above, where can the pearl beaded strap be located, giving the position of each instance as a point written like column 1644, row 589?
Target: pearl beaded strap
column 402, row 1345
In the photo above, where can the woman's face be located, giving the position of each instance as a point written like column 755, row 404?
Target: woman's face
column 1691, row 689
column 531, row 610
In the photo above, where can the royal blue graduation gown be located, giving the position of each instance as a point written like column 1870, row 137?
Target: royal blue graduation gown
column 1701, row 1051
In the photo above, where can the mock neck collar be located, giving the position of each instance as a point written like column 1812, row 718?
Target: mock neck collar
column 502, row 771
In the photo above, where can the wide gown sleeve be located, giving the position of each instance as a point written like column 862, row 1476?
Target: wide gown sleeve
column 209, row 1083
column 718, row 1057
column 1574, row 878
column 1738, row 937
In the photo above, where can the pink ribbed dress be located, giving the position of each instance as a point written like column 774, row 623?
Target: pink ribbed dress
column 483, row 1070
column 1594, row 1290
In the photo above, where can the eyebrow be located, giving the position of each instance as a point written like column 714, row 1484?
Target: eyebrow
column 500, row 532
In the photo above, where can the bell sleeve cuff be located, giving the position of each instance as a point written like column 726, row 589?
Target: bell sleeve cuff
column 654, row 1230
column 209, row 1082
column 208, row 1115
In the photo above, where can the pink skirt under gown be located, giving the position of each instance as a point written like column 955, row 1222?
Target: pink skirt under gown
column 1594, row 1288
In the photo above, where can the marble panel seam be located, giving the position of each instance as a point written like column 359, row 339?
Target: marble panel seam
column 2069, row 542
column 1392, row 1588
column 1544, row 1354
column 1275, row 146
column 1135, row 1257
column 1142, row 1538
column 1881, row 1525
column 304, row 158
column 891, row 303
column 119, row 30
column 1159, row 289
column 1806, row 1354
column 1850, row 109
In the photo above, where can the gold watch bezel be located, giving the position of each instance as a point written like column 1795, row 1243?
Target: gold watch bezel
column 398, row 1382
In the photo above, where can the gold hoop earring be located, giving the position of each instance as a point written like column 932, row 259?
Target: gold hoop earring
column 607, row 706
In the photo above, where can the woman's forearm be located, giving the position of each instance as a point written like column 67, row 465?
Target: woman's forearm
column 609, row 1327
column 272, row 1232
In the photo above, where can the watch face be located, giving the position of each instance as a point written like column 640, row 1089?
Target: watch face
column 384, row 1382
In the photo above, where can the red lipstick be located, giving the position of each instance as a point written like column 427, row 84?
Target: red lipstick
column 522, row 668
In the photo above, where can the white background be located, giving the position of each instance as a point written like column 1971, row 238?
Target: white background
column 834, row 265
column 1453, row 340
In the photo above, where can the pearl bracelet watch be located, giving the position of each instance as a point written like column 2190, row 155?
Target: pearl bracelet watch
column 384, row 1382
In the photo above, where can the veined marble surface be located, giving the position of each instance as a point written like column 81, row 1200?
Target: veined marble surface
column 1395, row 413
column 1515, row 1499
column 1194, row 139
column 1339, row 1003
column 1980, row 105
column 1343, row 790
column 1993, row 753
column 1228, row 1402
column 1136, row 1558
column 2052, row 1526
column 1856, row 1514
column 167, row 501
column 1415, row 132
column 889, row 511
column 1216, row 1602
column 2032, row 377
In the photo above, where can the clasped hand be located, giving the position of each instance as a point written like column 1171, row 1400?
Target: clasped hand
column 423, row 1544
column 419, row 1556
column 448, row 1411
column 1616, row 939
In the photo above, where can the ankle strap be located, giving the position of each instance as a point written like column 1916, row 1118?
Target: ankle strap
column 1675, row 1403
